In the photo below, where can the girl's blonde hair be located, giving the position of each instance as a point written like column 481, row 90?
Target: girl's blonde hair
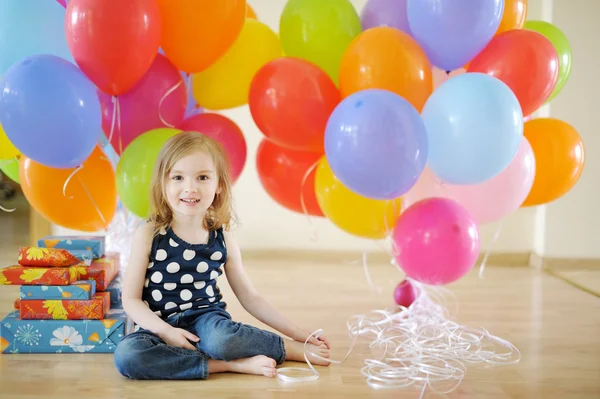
column 220, row 213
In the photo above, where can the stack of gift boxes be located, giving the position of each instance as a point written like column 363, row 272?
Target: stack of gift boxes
column 70, row 298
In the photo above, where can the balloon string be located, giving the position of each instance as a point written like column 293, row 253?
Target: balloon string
column 87, row 193
column 314, row 237
column 7, row 209
column 64, row 190
column 487, row 253
column 171, row 90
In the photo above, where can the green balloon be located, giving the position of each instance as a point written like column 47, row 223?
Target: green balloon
column 562, row 47
column 319, row 31
column 135, row 168
column 11, row 169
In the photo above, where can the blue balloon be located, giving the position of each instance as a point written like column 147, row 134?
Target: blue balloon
column 376, row 144
column 453, row 32
column 50, row 111
column 475, row 125
column 31, row 27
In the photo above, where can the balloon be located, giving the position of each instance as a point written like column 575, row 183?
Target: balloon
column 282, row 174
column 291, row 101
column 192, row 107
column 376, row 144
column 390, row 13
column 559, row 157
column 526, row 61
column 405, row 294
column 319, row 31
column 489, row 201
column 11, row 169
column 89, row 201
column 7, row 149
column 352, row 213
column 113, row 42
column 196, row 33
column 31, row 27
column 386, row 58
column 436, row 241
column 474, row 128
column 135, row 169
column 50, row 111
column 226, row 83
column 62, row 2
column 250, row 13
column 226, row 132
column 514, row 15
column 452, row 32
column 439, row 76
column 157, row 100
column 563, row 49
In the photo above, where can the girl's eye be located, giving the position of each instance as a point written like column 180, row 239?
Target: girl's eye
column 176, row 177
column 203, row 177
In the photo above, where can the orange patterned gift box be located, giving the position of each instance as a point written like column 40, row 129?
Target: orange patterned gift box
column 46, row 257
column 68, row 309
column 26, row 275
column 102, row 270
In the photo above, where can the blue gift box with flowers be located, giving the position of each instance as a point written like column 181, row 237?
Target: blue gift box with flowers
column 95, row 244
column 62, row 336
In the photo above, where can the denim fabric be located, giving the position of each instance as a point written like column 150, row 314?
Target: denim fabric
column 144, row 356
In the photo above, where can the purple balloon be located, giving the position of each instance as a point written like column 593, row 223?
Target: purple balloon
column 390, row 13
column 376, row 144
column 63, row 2
column 453, row 32
column 50, row 111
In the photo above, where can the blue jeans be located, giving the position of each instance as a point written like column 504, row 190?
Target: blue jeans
column 142, row 355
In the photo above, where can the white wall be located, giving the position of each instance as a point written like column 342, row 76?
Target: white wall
column 566, row 228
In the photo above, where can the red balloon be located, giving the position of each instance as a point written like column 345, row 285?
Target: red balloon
column 526, row 61
column 281, row 172
column 291, row 100
column 113, row 41
column 226, row 132
column 141, row 109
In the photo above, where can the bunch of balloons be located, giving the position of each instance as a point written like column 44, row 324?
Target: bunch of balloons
column 90, row 81
column 408, row 121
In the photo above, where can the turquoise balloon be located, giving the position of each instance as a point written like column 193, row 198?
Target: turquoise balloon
column 31, row 27
column 474, row 128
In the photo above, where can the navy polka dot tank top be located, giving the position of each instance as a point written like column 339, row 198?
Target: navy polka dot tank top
column 183, row 276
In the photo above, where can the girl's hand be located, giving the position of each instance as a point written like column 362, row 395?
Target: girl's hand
column 302, row 334
column 179, row 337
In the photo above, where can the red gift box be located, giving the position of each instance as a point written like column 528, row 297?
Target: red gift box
column 102, row 270
column 25, row 275
column 65, row 309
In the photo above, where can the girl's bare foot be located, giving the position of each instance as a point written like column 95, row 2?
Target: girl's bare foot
column 295, row 351
column 259, row 365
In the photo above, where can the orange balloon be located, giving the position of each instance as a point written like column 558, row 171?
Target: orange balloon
column 559, row 159
column 386, row 58
column 250, row 14
column 90, row 202
column 515, row 13
column 196, row 33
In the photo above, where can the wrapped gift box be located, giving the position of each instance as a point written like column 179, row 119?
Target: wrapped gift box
column 115, row 291
column 77, row 290
column 96, row 244
column 62, row 336
column 66, row 309
column 28, row 275
column 102, row 270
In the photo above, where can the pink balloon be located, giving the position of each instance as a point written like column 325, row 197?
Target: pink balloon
column 440, row 76
column 141, row 109
column 405, row 294
column 226, row 132
column 62, row 3
column 489, row 201
column 436, row 240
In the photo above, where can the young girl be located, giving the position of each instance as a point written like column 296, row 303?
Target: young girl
column 170, row 285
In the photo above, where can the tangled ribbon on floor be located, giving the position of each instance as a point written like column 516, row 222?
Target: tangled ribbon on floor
column 416, row 346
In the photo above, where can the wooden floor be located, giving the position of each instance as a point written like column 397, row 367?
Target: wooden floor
column 555, row 325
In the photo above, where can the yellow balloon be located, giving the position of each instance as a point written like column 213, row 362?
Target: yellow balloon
column 7, row 149
column 226, row 83
column 353, row 213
